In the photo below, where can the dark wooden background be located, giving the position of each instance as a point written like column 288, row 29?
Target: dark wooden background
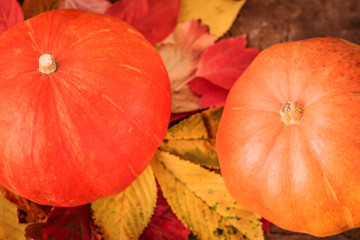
column 267, row 22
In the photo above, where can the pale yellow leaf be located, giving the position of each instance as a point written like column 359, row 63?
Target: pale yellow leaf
column 125, row 215
column 15, row 209
column 199, row 198
column 194, row 138
column 34, row 212
column 219, row 15
column 10, row 228
column 35, row 7
column 180, row 53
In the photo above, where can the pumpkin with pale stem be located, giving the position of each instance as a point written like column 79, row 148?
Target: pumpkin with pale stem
column 84, row 104
column 289, row 138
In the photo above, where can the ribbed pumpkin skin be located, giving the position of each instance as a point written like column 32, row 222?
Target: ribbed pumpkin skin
column 303, row 177
column 90, row 128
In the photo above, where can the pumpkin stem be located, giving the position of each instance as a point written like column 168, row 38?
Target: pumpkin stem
column 47, row 64
column 291, row 113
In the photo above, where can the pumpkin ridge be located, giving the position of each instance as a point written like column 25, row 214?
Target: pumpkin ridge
column 345, row 210
column 138, row 126
column 89, row 37
column 35, row 131
column 31, row 34
column 334, row 93
column 274, row 141
column 131, row 123
column 53, row 38
column 68, row 144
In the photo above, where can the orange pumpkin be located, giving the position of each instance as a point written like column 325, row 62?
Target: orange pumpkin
column 84, row 104
column 289, row 138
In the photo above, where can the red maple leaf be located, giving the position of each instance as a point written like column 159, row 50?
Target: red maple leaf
column 70, row 223
column 10, row 14
column 155, row 19
column 181, row 52
column 265, row 225
column 212, row 95
column 164, row 224
column 219, row 67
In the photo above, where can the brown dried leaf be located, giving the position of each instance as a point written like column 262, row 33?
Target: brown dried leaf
column 34, row 7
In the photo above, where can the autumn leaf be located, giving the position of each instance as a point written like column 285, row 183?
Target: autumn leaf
column 155, row 19
column 211, row 94
column 219, row 15
column 164, row 224
column 265, row 225
column 223, row 62
column 181, row 52
column 126, row 215
column 35, row 7
column 99, row 6
column 199, row 198
column 32, row 212
column 10, row 228
column 219, row 67
column 20, row 218
column 70, row 223
column 30, row 216
column 178, row 116
column 194, row 138
column 10, row 14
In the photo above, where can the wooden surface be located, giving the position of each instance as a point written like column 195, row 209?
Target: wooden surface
column 277, row 233
column 267, row 22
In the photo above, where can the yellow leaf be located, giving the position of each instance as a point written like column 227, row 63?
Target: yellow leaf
column 21, row 218
column 125, row 215
column 10, row 228
column 199, row 198
column 219, row 15
column 33, row 211
column 194, row 138
column 34, row 7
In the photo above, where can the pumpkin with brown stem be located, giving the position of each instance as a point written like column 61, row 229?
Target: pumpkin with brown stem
column 289, row 138
column 84, row 104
